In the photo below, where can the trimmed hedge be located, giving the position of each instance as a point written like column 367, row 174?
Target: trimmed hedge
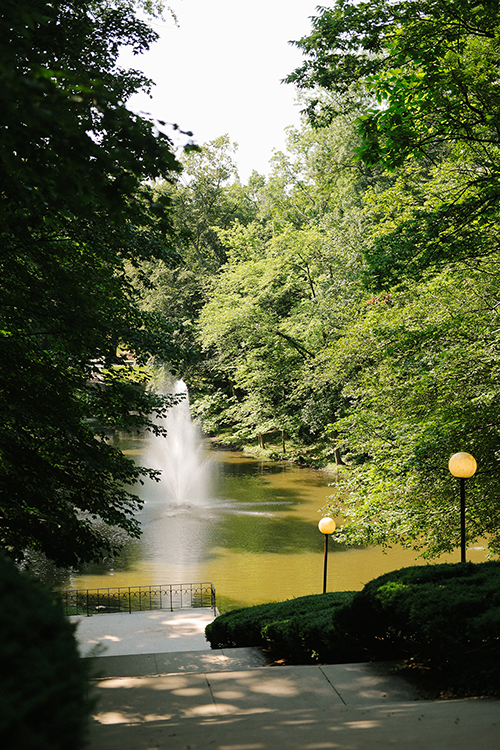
column 44, row 702
column 443, row 620
column 293, row 629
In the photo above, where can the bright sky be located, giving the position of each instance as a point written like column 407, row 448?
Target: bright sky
column 219, row 72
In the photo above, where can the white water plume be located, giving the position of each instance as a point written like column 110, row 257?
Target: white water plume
column 180, row 456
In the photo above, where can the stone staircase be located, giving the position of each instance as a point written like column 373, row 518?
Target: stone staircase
column 181, row 662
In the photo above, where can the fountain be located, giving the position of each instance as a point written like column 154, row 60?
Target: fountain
column 180, row 456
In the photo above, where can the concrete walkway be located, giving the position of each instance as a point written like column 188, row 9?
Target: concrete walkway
column 142, row 632
column 232, row 700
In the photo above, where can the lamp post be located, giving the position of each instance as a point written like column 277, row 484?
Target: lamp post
column 327, row 526
column 463, row 466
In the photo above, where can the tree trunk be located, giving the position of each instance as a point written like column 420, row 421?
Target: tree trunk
column 338, row 457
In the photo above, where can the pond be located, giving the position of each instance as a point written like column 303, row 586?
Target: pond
column 253, row 533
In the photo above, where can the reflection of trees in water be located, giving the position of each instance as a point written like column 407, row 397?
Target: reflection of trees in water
column 261, row 534
column 253, row 483
column 254, row 509
column 259, row 516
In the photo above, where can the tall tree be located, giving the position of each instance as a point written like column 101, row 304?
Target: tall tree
column 207, row 198
column 430, row 67
column 417, row 370
column 76, row 213
column 290, row 284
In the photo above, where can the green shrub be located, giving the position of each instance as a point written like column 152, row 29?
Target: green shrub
column 292, row 629
column 445, row 618
column 43, row 687
column 301, row 639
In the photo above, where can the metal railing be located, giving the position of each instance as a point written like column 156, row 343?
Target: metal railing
column 138, row 598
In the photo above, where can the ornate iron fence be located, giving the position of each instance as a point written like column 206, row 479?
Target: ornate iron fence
column 138, row 598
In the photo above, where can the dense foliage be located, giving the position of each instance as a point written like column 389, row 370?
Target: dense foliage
column 44, row 701
column 346, row 308
column 428, row 68
column 440, row 621
column 444, row 618
column 77, row 216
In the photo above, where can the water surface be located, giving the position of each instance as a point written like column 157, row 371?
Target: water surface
column 254, row 536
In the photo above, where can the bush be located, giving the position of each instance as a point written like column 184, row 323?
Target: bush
column 295, row 629
column 439, row 620
column 43, row 689
column 444, row 618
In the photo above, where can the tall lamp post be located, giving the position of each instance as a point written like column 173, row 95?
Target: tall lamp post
column 463, row 466
column 327, row 526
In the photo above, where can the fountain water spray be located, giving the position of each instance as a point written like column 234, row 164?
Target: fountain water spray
column 180, row 456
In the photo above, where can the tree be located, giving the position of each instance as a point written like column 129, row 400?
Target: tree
column 419, row 371
column 291, row 283
column 77, row 214
column 429, row 65
column 207, row 198
column 430, row 68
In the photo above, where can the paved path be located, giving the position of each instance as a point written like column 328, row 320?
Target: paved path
column 233, row 700
column 143, row 632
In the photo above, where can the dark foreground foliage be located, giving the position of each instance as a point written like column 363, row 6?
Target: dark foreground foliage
column 43, row 687
column 77, row 220
column 441, row 622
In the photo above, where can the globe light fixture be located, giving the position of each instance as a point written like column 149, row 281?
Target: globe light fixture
column 327, row 526
column 463, row 466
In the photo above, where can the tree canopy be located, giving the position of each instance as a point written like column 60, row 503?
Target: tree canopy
column 427, row 70
column 77, row 213
column 417, row 370
column 357, row 310
column 347, row 302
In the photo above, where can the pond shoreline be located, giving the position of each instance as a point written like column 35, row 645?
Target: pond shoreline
column 297, row 455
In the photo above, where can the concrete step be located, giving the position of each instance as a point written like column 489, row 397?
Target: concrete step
column 141, row 665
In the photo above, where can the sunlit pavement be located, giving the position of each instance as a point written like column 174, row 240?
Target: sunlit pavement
column 143, row 632
column 232, row 700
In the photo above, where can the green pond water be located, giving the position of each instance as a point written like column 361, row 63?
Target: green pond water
column 253, row 534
